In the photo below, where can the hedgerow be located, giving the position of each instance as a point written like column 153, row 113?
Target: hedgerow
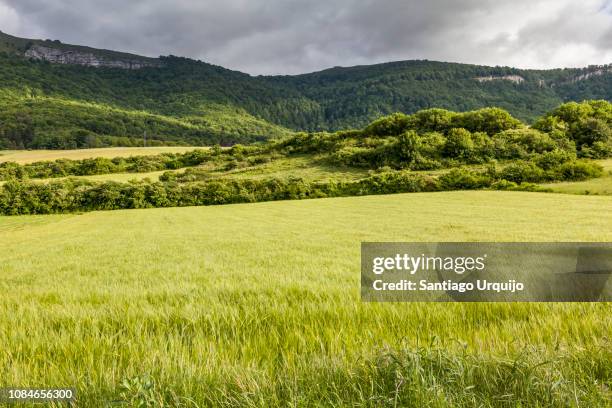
column 73, row 195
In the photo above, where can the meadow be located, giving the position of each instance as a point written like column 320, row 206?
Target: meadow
column 259, row 305
column 31, row 156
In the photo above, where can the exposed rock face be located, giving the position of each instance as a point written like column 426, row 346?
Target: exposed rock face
column 59, row 56
column 517, row 79
column 604, row 69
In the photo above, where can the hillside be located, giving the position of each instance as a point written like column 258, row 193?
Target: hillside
column 352, row 97
column 55, row 95
column 431, row 150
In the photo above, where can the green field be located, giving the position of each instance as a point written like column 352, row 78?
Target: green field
column 307, row 168
column 258, row 305
column 31, row 156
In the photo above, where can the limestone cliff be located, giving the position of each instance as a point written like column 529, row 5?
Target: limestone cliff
column 593, row 71
column 517, row 79
column 78, row 57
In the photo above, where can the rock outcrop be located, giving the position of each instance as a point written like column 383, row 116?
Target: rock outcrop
column 75, row 57
column 601, row 70
column 517, row 79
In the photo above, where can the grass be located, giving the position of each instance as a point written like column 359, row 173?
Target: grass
column 258, row 305
column 598, row 186
column 309, row 168
column 30, row 156
column 119, row 177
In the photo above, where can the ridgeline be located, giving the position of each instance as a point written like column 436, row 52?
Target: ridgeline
column 54, row 95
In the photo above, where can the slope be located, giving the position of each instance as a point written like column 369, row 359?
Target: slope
column 256, row 108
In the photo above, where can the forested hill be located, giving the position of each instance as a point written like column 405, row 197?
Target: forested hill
column 356, row 95
column 87, row 97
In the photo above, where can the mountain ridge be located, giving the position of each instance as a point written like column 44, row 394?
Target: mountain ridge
column 219, row 105
column 22, row 45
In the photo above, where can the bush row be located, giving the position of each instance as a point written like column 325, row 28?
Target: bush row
column 73, row 195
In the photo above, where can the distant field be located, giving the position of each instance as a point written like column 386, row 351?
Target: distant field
column 306, row 168
column 119, row 177
column 258, row 305
column 29, row 156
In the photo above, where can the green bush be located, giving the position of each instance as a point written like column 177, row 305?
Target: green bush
column 586, row 123
column 520, row 143
column 549, row 160
column 487, row 120
column 520, row 172
column 464, row 179
column 392, row 125
column 577, row 171
column 459, row 144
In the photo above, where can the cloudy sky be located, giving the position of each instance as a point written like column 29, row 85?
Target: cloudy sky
column 296, row 36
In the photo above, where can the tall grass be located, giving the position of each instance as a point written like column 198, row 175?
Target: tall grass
column 258, row 305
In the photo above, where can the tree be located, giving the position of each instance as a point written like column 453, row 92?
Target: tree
column 408, row 144
column 459, row 143
column 589, row 131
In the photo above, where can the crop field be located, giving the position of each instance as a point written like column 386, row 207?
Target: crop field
column 30, row 156
column 259, row 305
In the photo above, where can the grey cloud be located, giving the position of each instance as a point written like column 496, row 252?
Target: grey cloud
column 293, row 36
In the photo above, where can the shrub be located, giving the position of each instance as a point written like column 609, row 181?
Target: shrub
column 88, row 167
column 598, row 150
column 464, row 179
column 577, row 170
column 487, row 120
column 553, row 159
column 520, row 143
column 392, row 125
column 520, row 172
column 432, row 120
column 459, row 144
column 590, row 131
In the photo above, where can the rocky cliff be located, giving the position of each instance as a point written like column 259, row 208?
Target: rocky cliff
column 76, row 57
column 517, row 79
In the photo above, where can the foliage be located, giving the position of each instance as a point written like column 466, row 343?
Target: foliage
column 514, row 157
column 99, row 165
column 194, row 188
column 190, row 102
column 587, row 124
column 436, row 138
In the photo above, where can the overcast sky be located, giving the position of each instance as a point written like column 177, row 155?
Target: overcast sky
column 296, row 36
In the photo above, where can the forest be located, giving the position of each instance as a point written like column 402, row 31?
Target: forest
column 188, row 102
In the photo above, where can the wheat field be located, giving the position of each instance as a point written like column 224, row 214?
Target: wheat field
column 258, row 305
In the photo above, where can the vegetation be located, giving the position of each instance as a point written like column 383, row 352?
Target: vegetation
column 30, row 156
column 190, row 102
column 190, row 307
column 227, row 306
column 431, row 150
column 101, row 165
column 596, row 186
column 42, row 122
